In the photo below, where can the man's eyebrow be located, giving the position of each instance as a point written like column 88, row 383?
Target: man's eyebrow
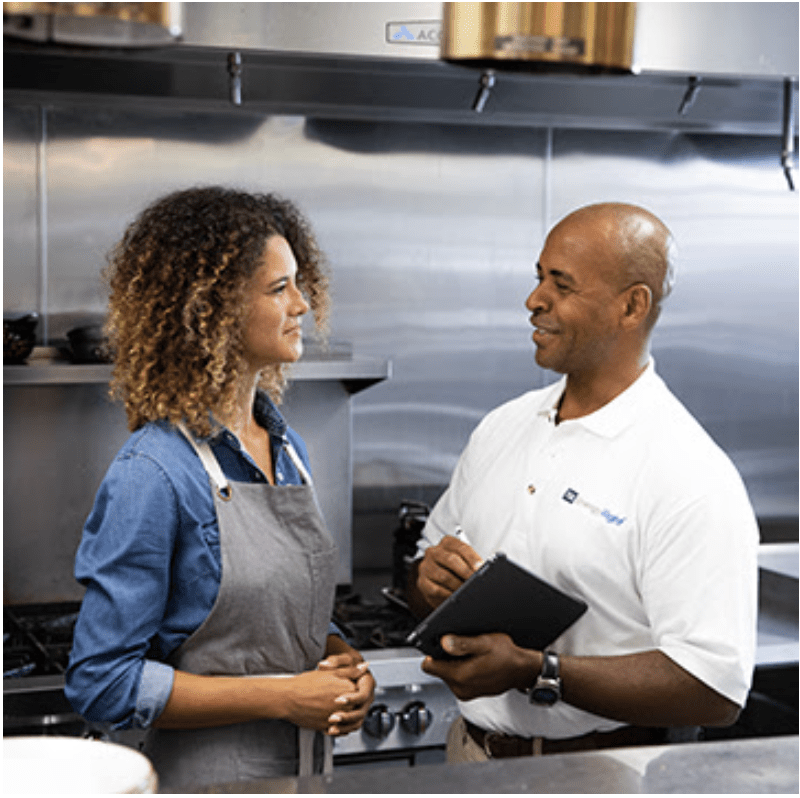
column 565, row 277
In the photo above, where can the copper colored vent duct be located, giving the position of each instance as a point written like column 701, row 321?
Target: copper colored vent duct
column 594, row 35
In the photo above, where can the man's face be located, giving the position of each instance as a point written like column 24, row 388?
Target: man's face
column 575, row 308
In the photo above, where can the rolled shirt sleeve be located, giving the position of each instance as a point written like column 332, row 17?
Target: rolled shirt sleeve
column 124, row 562
column 155, row 687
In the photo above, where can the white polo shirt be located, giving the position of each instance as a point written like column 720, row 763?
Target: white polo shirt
column 635, row 510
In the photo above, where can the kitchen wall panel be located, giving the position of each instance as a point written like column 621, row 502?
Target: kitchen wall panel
column 21, row 256
column 432, row 232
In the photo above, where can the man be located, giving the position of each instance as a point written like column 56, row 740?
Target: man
column 606, row 487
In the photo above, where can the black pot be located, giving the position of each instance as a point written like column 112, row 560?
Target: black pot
column 88, row 345
column 19, row 338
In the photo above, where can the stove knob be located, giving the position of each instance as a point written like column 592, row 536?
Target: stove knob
column 415, row 718
column 379, row 721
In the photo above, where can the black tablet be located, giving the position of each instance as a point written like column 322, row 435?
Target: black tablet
column 500, row 596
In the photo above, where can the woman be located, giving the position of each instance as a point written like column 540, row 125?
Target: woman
column 205, row 559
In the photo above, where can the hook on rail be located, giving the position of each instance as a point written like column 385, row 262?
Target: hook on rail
column 235, row 72
column 486, row 85
column 787, row 150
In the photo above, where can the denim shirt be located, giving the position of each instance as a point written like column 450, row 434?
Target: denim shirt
column 150, row 560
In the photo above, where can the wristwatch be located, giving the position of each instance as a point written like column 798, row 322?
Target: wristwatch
column 547, row 688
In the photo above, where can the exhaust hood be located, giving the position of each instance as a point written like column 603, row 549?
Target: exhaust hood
column 571, row 35
column 694, row 67
column 741, row 40
column 737, row 40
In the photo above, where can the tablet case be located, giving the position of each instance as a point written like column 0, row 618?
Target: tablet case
column 500, row 596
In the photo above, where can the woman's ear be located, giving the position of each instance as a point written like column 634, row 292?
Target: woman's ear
column 638, row 303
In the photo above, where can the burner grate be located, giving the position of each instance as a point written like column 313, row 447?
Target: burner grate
column 37, row 638
column 373, row 624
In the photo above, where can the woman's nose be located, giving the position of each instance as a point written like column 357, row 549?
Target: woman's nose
column 300, row 305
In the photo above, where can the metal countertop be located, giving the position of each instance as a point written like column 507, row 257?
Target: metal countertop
column 763, row 765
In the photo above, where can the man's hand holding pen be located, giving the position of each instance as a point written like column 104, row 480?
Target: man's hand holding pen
column 445, row 567
column 484, row 665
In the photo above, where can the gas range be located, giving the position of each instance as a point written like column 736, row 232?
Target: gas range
column 37, row 638
column 408, row 720
column 411, row 714
column 36, row 642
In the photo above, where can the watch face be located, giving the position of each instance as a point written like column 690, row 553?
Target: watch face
column 544, row 695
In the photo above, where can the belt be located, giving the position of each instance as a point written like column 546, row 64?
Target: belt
column 498, row 746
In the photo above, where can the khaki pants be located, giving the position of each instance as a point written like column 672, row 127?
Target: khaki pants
column 461, row 747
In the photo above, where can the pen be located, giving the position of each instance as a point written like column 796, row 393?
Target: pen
column 460, row 534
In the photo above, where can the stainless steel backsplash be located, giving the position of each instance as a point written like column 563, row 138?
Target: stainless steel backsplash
column 432, row 232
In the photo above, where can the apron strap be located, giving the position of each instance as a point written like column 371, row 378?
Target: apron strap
column 306, row 741
column 215, row 472
column 209, row 462
column 298, row 463
column 306, row 744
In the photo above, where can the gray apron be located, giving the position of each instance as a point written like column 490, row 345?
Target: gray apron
column 270, row 617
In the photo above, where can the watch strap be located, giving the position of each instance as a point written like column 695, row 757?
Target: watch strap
column 550, row 667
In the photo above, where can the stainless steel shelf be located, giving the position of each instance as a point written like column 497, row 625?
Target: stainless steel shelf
column 356, row 373
column 777, row 616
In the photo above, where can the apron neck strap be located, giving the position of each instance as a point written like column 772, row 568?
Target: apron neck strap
column 209, row 462
column 214, row 470
column 298, row 463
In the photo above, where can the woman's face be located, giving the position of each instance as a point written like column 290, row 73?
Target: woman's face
column 273, row 330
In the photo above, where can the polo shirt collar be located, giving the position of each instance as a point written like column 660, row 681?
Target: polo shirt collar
column 612, row 418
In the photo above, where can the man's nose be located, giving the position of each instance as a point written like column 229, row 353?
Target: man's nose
column 536, row 300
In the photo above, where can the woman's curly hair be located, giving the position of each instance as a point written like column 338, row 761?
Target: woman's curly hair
column 177, row 282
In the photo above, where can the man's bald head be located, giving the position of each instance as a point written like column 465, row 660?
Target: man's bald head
column 636, row 243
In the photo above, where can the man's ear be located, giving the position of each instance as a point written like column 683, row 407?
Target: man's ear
column 638, row 303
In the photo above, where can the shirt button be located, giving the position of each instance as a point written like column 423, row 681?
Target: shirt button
column 279, row 475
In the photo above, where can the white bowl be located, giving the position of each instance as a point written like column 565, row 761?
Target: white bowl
column 66, row 765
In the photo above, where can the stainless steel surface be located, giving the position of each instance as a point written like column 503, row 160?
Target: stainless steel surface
column 741, row 766
column 354, row 373
column 377, row 88
column 337, row 28
column 717, row 38
column 777, row 642
column 756, row 39
column 779, row 558
column 432, row 231
column 22, row 272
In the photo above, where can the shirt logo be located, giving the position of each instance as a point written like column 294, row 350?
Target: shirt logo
column 571, row 496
